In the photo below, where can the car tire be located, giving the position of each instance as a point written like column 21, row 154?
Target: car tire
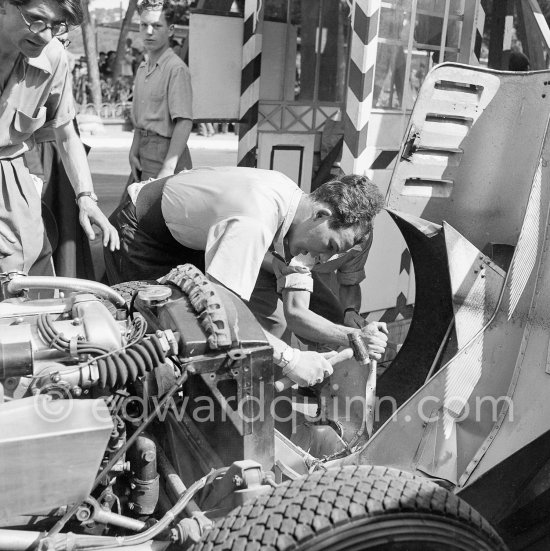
column 354, row 508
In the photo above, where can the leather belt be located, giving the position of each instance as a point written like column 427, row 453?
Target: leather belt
column 144, row 132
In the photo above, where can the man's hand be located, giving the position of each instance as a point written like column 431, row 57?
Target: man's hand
column 352, row 318
column 375, row 335
column 90, row 214
column 7, row 240
column 310, row 368
column 135, row 164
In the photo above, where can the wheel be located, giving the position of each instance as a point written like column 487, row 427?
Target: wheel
column 354, row 508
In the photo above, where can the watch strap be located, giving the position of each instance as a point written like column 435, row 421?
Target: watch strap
column 285, row 358
column 89, row 194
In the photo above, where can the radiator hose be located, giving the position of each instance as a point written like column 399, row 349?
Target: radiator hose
column 115, row 368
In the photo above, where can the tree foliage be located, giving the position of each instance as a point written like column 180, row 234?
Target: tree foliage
column 88, row 35
column 182, row 11
column 124, row 28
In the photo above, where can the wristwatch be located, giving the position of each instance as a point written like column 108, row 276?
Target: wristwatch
column 89, row 194
column 286, row 357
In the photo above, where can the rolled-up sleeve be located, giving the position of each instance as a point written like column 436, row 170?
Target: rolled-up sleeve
column 295, row 275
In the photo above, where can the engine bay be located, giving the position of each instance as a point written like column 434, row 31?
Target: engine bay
column 126, row 413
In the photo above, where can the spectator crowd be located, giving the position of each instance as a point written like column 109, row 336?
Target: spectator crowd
column 114, row 88
column 119, row 89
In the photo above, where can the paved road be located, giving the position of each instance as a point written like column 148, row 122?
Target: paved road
column 110, row 169
column 108, row 160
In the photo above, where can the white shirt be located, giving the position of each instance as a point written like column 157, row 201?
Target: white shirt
column 234, row 214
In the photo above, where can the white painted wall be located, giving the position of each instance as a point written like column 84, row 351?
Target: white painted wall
column 215, row 53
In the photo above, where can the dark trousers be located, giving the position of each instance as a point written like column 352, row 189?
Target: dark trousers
column 72, row 255
column 149, row 251
column 147, row 248
column 152, row 152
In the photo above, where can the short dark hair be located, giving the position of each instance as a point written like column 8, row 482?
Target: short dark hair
column 72, row 9
column 167, row 7
column 354, row 201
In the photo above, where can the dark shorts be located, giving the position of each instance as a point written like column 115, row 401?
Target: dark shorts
column 147, row 248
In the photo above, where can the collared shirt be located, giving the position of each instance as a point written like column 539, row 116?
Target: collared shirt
column 349, row 267
column 234, row 214
column 38, row 94
column 162, row 94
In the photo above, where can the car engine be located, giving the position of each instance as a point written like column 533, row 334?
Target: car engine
column 104, row 436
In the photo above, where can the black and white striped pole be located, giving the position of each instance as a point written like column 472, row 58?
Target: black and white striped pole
column 250, row 82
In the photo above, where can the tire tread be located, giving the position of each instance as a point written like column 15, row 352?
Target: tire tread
column 299, row 510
